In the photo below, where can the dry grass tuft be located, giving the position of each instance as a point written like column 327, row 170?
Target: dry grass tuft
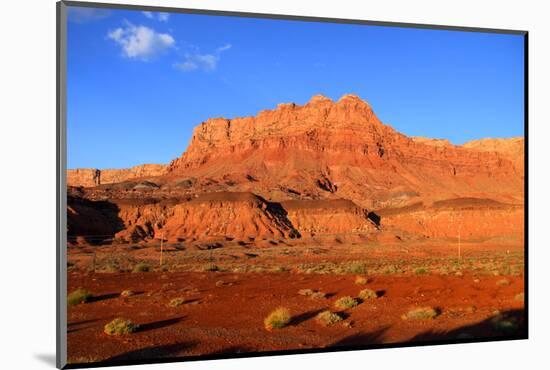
column 175, row 302
column 361, row 280
column 120, row 326
column 503, row 282
column 127, row 293
column 142, row 267
column 421, row 313
column 277, row 319
column 346, row 302
column 367, row 294
column 78, row 296
column 327, row 318
column 520, row 297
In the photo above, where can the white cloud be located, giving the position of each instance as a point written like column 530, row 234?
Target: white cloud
column 148, row 15
column 224, row 48
column 163, row 17
column 140, row 42
column 159, row 16
column 84, row 15
column 205, row 62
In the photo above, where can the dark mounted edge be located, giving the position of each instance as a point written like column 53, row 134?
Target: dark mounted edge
column 61, row 314
column 290, row 352
column 290, row 17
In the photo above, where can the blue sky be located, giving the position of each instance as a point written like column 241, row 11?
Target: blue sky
column 138, row 82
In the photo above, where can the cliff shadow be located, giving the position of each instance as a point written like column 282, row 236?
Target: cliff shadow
column 507, row 324
column 94, row 222
column 281, row 214
column 374, row 218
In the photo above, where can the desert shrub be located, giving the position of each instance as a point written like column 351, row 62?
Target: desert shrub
column 328, row 318
column 504, row 323
column 127, row 293
column 306, row 292
column 360, row 280
column 356, row 267
column 315, row 294
column 210, row 267
column 421, row 313
column 420, row 271
column 503, row 282
column 142, row 267
column 277, row 319
column 391, row 269
column 318, row 295
column 346, row 302
column 175, row 302
column 120, row 326
column 520, row 297
column 367, row 294
column 78, row 296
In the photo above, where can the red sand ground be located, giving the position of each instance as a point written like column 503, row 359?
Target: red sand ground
column 229, row 318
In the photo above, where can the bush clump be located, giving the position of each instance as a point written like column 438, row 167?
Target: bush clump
column 367, row 294
column 175, row 302
column 520, row 297
column 421, row 313
column 346, row 302
column 315, row 294
column 327, row 318
column 277, row 319
column 78, row 296
column 127, row 293
column 360, row 280
column 142, row 267
column 120, row 326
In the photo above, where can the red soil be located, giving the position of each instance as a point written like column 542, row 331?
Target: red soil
column 229, row 318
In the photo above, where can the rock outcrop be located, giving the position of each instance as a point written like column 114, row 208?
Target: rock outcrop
column 90, row 177
column 324, row 168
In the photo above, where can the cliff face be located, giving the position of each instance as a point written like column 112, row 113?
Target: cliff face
column 328, row 149
column 324, row 168
column 90, row 177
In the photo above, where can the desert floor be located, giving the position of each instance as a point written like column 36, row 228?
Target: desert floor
column 228, row 290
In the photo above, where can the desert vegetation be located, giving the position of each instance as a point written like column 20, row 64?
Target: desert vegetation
column 78, row 296
column 120, row 326
column 346, row 302
column 327, row 318
column 421, row 313
column 277, row 319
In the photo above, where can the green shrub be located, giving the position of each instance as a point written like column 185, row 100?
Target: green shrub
column 356, row 267
column 327, row 318
column 277, row 319
column 367, row 294
column 175, row 302
column 306, row 292
column 346, row 302
column 78, row 296
column 420, row 271
column 142, row 267
column 120, row 326
column 504, row 323
column 421, row 313
column 318, row 295
column 315, row 294
column 127, row 293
